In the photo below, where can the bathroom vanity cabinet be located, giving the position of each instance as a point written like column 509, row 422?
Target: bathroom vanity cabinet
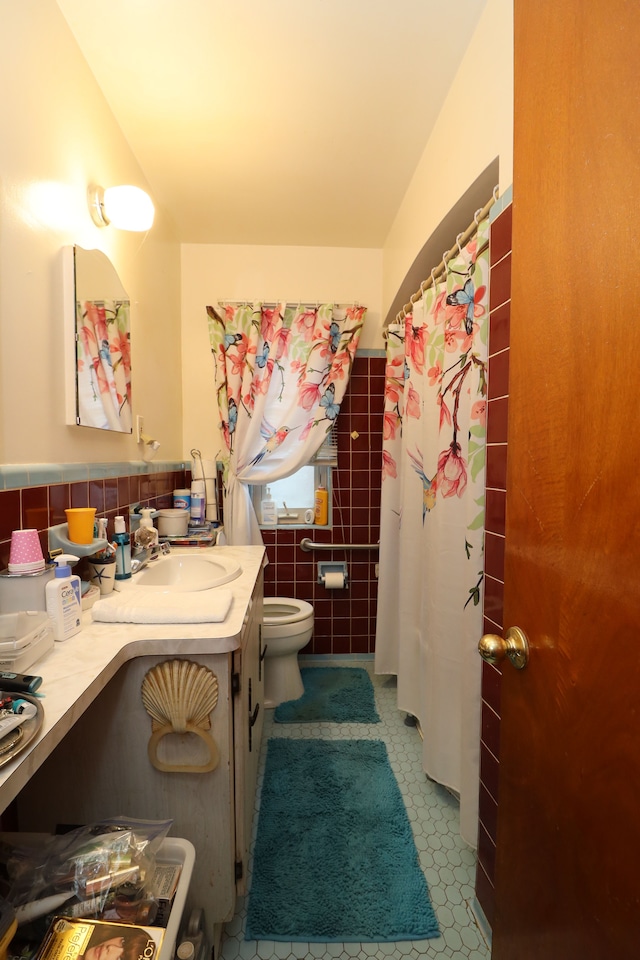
column 101, row 767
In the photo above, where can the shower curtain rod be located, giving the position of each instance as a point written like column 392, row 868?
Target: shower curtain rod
column 461, row 239
column 293, row 303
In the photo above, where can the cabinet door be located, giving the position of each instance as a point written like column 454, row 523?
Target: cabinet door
column 248, row 723
column 102, row 769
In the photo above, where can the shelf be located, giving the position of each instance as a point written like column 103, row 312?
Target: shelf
column 59, row 540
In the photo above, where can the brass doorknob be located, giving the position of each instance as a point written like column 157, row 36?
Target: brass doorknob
column 515, row 647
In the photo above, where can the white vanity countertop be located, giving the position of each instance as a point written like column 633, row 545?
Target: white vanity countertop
column 74, row 672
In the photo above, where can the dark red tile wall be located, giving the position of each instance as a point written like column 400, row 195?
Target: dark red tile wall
column 42, row 507
column 496, row 479
column 344, row 620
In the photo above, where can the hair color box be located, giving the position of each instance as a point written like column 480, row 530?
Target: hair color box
column 69, row 939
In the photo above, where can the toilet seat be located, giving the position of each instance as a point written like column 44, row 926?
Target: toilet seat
column 282, row 610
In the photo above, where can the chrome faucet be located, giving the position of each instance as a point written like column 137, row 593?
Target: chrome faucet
column 141, row 556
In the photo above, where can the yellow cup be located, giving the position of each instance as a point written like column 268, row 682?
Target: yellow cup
column 80, row 521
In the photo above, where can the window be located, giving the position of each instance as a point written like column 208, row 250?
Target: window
column 295, row 495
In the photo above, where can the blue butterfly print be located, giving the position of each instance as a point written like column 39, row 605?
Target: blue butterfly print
column 334, row 335
column 462, row 298
column 233, row 416
column 231, row 338
column 327, row 400
column 261, row 361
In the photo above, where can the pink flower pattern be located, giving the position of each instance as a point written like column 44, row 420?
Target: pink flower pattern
column 438, row 358
column 260, row 352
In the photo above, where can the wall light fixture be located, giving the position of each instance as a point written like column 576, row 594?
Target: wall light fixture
column 125, row 207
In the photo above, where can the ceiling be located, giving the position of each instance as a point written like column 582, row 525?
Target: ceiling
column 276, row 121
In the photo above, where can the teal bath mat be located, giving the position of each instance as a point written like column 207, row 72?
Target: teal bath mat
column 332, row 694
column 335, row 858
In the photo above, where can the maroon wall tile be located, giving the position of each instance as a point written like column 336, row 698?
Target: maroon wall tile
column 500, row 283
column 496, row 473
column 500, row 328
column 497, row 420
column 495, row 511
column 498, row 375
column 500, row 244
column 344, row 620
column 10, row 516
column 494, row 555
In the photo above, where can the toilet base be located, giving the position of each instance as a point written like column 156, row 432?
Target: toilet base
column 282, row 680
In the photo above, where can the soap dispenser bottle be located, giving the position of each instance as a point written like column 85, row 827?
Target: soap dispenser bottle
column 268, row 510
column 63, row 599
column 123, row 550
column 146, row 535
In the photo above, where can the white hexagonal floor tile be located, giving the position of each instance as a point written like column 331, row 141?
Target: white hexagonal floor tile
column 447, row 862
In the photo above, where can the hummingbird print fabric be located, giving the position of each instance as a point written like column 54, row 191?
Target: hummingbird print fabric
column 429, row 616
column 281, row 372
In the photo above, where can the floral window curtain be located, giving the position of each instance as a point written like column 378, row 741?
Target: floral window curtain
column 432, row 524
column 281, row 373
column 104, row 364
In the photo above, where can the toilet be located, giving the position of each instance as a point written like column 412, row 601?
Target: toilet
column 287, row 628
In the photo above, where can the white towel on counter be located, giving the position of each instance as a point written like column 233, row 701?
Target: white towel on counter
column 146, row 606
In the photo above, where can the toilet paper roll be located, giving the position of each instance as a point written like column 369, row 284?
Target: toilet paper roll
column 334, row 581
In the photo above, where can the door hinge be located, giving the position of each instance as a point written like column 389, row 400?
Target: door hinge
column 238, row 870
column 235, row 683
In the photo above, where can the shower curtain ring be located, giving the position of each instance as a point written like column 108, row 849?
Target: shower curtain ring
column 458, row 238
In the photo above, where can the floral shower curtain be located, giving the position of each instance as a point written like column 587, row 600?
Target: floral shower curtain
column 104, row 364
column 281, row 374
column 432, row 523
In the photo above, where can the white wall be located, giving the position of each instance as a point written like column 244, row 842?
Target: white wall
column 225, row 272
column 474, row 126
column 58, row 136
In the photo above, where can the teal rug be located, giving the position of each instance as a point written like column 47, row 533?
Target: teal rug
column 332, row 694
column 335, row 858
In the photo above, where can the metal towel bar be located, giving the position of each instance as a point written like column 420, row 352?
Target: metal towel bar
column 307, row 545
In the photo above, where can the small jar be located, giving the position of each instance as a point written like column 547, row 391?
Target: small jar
column 182, row 499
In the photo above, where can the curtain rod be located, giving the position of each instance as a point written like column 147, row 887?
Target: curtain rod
column 437, row 272
column 295, row 303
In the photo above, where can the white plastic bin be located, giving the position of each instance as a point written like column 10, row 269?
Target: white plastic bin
column 176, row 850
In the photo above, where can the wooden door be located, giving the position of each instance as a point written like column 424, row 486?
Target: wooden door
column 568, row 846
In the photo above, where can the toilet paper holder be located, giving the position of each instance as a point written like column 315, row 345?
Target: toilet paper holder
column 325, row 567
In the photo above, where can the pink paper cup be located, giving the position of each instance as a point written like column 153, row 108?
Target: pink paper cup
column 25, row 555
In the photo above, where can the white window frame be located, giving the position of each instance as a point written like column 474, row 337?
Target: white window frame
column 294, row 515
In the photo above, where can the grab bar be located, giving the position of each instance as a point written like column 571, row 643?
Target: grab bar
column 307, row 545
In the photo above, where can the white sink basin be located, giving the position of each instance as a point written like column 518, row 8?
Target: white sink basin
column 187, row 574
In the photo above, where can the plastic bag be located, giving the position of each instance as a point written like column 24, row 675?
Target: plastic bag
column 100, row 871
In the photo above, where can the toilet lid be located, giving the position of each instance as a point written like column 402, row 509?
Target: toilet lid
column 285, row 610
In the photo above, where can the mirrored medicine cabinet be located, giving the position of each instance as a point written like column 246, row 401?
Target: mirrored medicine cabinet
column 97, row 308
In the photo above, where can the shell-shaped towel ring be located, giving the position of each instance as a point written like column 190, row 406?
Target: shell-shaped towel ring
column 179, row 695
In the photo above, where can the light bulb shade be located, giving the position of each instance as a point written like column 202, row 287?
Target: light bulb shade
column 124, row 207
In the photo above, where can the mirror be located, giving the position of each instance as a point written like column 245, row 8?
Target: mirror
column 100, row 310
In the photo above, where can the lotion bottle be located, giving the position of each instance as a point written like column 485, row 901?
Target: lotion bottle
column 123, row 550
column 63, row 599
column 269, row 513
